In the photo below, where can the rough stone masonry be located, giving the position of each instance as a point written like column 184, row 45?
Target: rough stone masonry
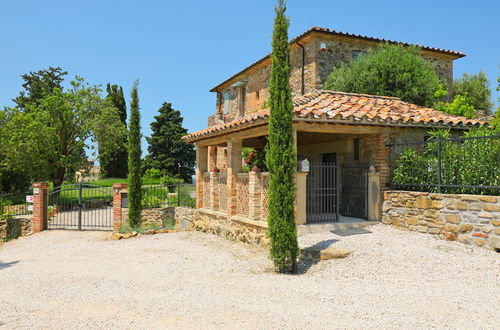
column 470, row 219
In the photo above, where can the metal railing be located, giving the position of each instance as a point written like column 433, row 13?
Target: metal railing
column 15, row 204
column 468, row 165
column 159, row 196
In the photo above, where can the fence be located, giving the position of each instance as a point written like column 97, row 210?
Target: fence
column 468, row 165
column 160, row 196
column 15, row 204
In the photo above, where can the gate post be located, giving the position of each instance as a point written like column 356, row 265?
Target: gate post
column 374, row 200
column 40, row 201
column 118, row 190
column 301, row 198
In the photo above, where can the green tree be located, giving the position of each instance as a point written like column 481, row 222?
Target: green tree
column 134, row 160
column 391, row 70
column 477, row 89
column 48, row 137
column 113, row 162
column 281, row 154
column 38, row 84
column 460, row 106
column 166, row 149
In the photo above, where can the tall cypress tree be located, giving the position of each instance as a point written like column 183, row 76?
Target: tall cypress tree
column 112, row 162
column 134, row 160
column 281, row 154
column 166, row 149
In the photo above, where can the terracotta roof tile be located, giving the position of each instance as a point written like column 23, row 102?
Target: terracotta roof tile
column 344, row 108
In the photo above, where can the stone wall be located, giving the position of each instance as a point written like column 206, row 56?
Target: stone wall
column 322, row 54
column 470, row 219
column 214, row 222
column 14, row 227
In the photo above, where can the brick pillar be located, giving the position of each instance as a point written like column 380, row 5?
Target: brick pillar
column 118, row 190
column 214, row 191
column 382, row 160
column 233, row 167
column 212, row 158
column 201, row 167
column 40, row 201
column 254, row 192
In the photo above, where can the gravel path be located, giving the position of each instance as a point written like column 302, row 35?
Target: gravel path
column 394, row 279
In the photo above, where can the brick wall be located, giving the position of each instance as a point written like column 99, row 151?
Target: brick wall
column 470, row 219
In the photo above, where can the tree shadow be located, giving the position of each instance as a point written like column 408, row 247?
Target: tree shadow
column 8, row 264
column 310, row 255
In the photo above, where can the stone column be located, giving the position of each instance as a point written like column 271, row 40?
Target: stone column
column 233, row 167
column 40, row 203
column 374, row 197
column 254, row 194
column 118, row 218
column 214, row 191
column 301, row 198
column 212, row 158
column 201, row 167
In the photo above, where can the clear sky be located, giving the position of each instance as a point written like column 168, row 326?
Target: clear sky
column 181, row 49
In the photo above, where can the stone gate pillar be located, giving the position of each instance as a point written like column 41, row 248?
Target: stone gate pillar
column 40, row 205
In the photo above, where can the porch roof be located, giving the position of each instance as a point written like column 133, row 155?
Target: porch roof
column 348, row 109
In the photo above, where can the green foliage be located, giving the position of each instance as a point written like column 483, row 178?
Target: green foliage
column 281, row 154
column 152, row 173
column 391, row 70
column 468, row 162
column 167, row 152
column 125, row 228
column 460, row 106
column 134, row 160
column 37, row 85
column 253, row 158
column 113, row 159
column 168, row 180
column 477, row 89
column 48, row 137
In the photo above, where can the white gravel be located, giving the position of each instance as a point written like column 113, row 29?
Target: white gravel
column 394, row 279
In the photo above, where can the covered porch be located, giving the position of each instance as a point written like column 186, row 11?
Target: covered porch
column 333, row 179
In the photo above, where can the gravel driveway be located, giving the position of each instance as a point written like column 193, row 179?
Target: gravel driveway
column 394, row 279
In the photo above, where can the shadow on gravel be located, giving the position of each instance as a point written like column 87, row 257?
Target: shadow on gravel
column 305, row 263
column 8, row 264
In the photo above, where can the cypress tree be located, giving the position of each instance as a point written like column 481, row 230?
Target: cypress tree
column 113, row 164
column 134, row 160
column 166, row 149
column 281, row 154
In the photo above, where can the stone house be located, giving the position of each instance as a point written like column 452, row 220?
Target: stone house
column 342, row 135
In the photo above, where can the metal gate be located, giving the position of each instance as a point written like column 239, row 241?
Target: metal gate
column 354, row 200
column 322, row 193
column 80, row 206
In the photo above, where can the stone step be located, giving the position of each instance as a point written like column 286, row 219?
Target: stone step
column 330, row 226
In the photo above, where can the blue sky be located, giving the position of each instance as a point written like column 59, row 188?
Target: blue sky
column 181, row 49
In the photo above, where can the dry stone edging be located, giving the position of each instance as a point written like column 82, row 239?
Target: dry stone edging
column 118, row 236
column 469, row 219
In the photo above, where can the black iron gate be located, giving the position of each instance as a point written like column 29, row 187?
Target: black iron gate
column 354, row 182
column 322, row 193
column 80, row 206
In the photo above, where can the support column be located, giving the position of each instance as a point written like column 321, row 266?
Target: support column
column 201, row 167
column 254, row 195
column 374, row 197
column 233, row 167
column 214, row 191
column 301, row 197
column 118, row 217
column 40, row 203
column 212, row 159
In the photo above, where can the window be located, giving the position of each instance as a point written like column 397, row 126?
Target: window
column 322, row 45
column 357, row 53
column 227, row 101
column 356, row 149
column 257, row 95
